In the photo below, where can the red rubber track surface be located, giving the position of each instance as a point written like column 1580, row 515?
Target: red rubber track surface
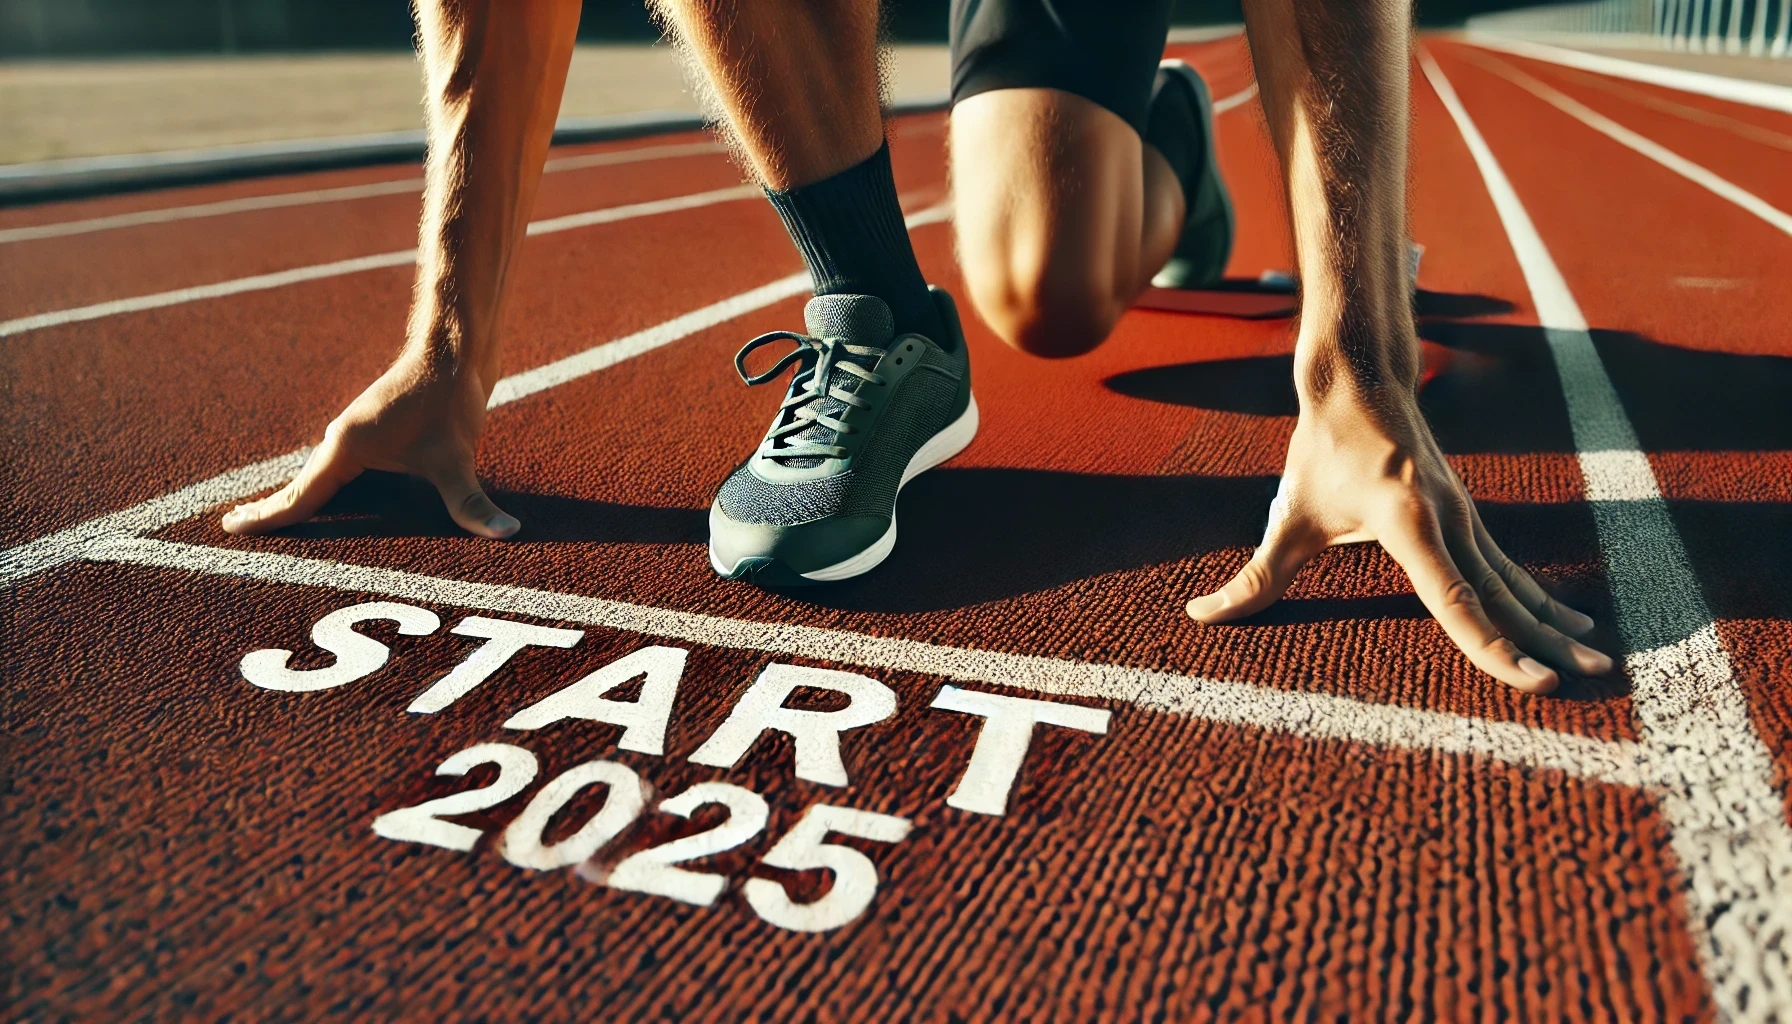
column 191, row 847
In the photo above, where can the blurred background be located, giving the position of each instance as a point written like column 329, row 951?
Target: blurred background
column 88, row 78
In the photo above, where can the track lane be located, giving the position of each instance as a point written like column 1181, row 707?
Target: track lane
column 51, row 274
column 155, row 199
column 1212, row 878
column 1775, row 120
column 1707, row 707
column 316, row 196
column 1720, row 115
column 87, row 443
column 1755, row 163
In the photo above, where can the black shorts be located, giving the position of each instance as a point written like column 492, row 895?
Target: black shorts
column 1105, row 51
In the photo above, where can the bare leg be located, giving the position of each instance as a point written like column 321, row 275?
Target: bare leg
column 1062, row 215
column 495, row 70
column 797, row 80
column 1362, row 464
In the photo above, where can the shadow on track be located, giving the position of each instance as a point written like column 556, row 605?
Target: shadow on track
column 1491, row 388
column 970, row 536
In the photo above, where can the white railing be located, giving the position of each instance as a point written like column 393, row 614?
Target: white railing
column 1758, row 28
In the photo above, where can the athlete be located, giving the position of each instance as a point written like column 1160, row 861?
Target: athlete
column 1080, row 169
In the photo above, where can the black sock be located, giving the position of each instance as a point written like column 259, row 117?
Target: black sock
column 1173, row 128
column 849, row 229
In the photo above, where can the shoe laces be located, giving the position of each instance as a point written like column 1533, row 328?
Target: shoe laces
column 812, row 388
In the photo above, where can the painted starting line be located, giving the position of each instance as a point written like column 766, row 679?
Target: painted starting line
column 1315, row 716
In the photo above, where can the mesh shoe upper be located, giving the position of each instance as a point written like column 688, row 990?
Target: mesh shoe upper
column 914, row 408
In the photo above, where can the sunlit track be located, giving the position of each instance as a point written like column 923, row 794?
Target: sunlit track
column 1633, row 95
column 1757, row 94
column 1673, row 161
column 21, row 557
column 1324, row 812
column 359, row 264
column 1717, row 776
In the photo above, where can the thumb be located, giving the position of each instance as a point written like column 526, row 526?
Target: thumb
column 468, row 505
column 1286, row 547
column 325, row 473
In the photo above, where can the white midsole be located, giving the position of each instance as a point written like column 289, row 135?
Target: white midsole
column 940, row 447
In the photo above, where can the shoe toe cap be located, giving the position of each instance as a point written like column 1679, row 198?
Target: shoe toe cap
column 736, row 545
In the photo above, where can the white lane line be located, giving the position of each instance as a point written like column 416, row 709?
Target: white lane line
column 327, row 195
column 1706, row 761
column 1736, row 90
column 337, row 268
column 554, row 374
column 631, row 156
column 218, row 209
column 1314, row 716
column 64, row 545
column 1642, row 144
column 1238, row 98
column 612, row 214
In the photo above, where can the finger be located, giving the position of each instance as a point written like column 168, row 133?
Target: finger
column 1515, row 620
column 1418, row 545
column 1526, row 589
column 470, row 507
column 324, row 473
column 1263, row 580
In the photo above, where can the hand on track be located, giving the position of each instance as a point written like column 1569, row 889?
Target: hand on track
column 411, row 420
column 1361, row 470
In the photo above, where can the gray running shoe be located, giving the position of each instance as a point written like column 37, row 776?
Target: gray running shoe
column 1201, row 252
column 865, row 413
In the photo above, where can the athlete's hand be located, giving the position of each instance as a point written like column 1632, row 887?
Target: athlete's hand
column 412, row 420
column 1364, row 468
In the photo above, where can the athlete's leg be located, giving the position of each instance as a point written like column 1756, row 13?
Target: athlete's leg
column 1072, row 153
column 796, row 84
column 797, row 81
column 1062, row 215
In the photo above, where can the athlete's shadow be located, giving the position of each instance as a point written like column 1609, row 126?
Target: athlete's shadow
column 1457, row 305
column 1492, row 388
column 971, row 536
